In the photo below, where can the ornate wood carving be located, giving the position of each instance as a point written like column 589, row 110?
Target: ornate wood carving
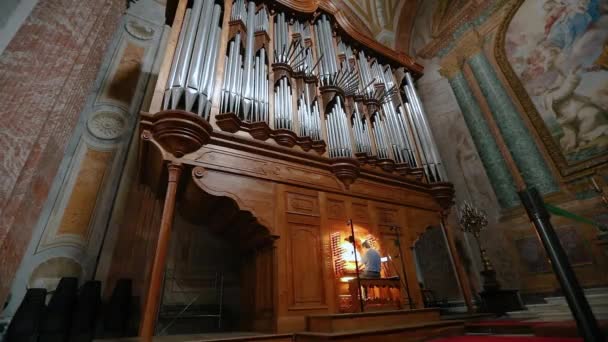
column 444, row 194
column 176, row 132
column 302, row 204
column 346, row 169
column 336, row 209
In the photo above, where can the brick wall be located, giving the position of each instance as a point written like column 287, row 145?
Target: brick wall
column 46, row 72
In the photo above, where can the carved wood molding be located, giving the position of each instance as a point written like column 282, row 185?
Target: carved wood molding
column 175, row 131
column 178, row 136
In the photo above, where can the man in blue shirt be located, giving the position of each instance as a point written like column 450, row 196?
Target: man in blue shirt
column 371, row 261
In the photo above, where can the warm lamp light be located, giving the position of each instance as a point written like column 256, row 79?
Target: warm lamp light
column 346, row 279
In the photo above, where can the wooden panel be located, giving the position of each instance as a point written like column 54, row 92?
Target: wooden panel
column 302, row 204
column 369, row 320
column 231, row 160
column 390, row 193
column 306, row 262
column 336, row 209
column 387, row 216
column 360, row 212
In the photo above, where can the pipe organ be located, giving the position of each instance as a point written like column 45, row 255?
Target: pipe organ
column 298, row 80
column 278, row 116
column 276, row 119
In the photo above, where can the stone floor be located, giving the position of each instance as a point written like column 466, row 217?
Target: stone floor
column 556, row 308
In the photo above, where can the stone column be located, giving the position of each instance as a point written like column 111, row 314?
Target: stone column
column 520, row 142
column 493, row 161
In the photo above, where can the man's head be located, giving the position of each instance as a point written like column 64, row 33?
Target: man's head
column 366, row 244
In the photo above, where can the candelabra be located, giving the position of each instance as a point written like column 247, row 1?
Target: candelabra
column 474, row 221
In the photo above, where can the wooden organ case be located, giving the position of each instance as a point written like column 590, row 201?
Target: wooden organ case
column 282, row 109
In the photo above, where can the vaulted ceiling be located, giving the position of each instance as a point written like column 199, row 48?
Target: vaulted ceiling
column 389, row 21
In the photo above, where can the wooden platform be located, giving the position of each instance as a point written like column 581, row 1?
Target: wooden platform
column 232, row 337
column 399, row 325
column 408, row 332
column 369, row 320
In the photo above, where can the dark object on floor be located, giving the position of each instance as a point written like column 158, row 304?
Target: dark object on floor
column 26, row 322
column 118, row 310
column 55, row 325
column 85, row 312
column 501, row 301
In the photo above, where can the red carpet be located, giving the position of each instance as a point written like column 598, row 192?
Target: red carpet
column 506, row 339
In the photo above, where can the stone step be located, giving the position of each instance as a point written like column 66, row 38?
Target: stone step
column 370, row 320
column 408, row 332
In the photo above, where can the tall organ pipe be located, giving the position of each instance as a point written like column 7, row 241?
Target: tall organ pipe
column 247, row 85
column 417, row 106
column 181, row 72
column 204, row 26
column 173, row 69
column 421, row 117
column 208, row 72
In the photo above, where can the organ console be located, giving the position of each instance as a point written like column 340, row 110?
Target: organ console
column 284, row 108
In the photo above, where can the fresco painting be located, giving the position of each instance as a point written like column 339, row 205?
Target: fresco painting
column 562, row 61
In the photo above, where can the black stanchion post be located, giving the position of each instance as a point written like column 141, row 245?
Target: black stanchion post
column 585, row 320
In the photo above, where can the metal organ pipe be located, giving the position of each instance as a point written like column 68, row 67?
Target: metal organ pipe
column 173, row 69
column 181, row 72
column 192, row 71
column 423, row 118
column 247, row 85
column 208, row 71
column 198, row 53
column 401, row 126
column 426, row 130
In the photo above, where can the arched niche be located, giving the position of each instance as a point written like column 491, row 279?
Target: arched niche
column 221, row 252
column 434, row 269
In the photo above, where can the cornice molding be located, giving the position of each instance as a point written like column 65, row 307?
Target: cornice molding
column 451, row 66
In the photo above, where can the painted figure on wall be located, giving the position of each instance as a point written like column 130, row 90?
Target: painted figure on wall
column 561, row 63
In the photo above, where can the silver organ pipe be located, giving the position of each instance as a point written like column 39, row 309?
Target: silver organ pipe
column 192, row 73
column 178, row 49
column 247, row 85
column 231, row 90
column 436, row 167
column 379, row 136
column 362, row 141
column 383, row 120
column 283, row 104
column 340, row 145
column 325, row 47
column 281, row 38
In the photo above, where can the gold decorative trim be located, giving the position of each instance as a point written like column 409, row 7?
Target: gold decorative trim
column 451, row 66
column 569, row 170
column 470, row 44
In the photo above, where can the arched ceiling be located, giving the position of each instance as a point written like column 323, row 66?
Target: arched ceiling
column 380, row 17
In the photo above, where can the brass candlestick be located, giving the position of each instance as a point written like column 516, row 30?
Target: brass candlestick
column 474, row 221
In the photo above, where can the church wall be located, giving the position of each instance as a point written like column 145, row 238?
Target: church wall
column 468, row 80
column 47, row 70
column 73, row 135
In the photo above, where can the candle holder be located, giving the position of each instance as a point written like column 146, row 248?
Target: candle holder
column 474, row 221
